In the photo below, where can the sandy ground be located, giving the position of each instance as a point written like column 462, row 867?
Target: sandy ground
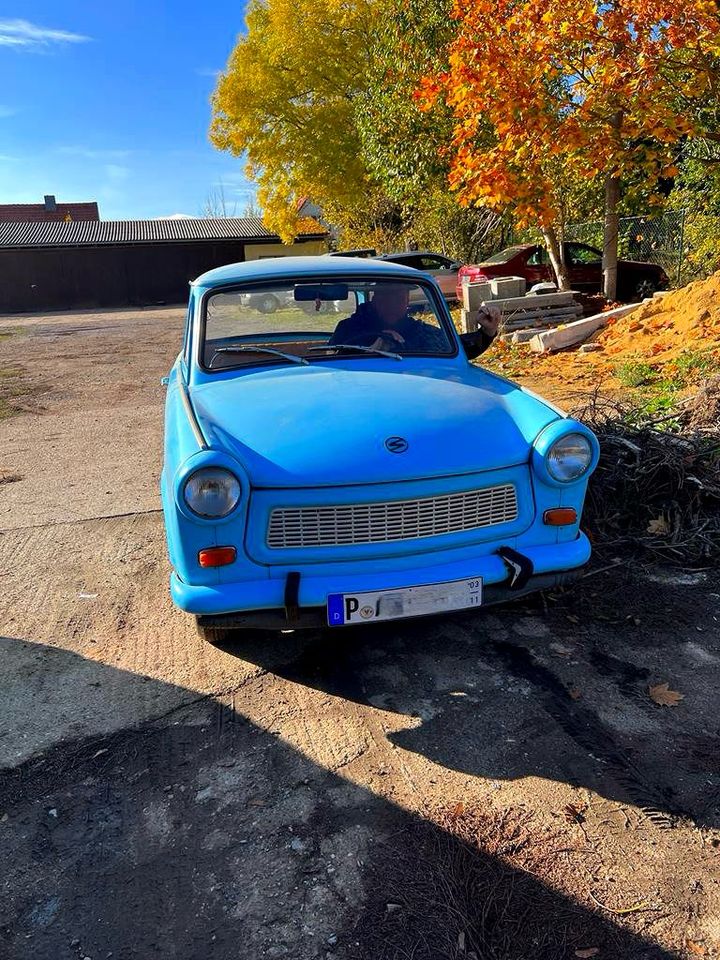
column 497, row 785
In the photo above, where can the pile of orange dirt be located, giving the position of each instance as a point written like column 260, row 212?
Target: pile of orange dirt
column 657, row 333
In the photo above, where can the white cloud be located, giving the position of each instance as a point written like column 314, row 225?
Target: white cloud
column 176, row 216
column 208, row 72
column 24, row 35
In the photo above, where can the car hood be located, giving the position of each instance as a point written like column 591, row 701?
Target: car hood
column 328, row 424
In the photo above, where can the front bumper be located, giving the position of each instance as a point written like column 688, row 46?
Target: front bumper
column 245, row 603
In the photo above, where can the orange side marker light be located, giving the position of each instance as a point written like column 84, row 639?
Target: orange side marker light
column 560, row 516
column 216, row 556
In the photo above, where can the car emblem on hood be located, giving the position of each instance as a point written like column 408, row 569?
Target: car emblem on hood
column 396, row 444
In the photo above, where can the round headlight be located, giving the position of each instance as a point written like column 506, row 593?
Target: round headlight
column 569, row 457
column 212, row 492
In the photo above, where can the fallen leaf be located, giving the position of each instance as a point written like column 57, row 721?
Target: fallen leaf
column 575, row 693
column 573, row 814
column 697, row 948
column 664, row 696
column 588, row 952
column 659, row 525
column 559, row 648
column 458, row 809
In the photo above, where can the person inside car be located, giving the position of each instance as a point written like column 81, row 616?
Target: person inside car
column 384, row 323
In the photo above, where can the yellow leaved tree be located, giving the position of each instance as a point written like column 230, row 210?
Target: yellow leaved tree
column 286, row 102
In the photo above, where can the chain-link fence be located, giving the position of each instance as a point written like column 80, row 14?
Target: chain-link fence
column 659, row 239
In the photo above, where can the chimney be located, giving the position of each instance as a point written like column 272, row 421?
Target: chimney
column 50, row 204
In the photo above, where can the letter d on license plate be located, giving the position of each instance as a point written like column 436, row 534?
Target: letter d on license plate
column 346, row 609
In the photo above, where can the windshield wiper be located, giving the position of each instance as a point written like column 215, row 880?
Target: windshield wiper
column 355, row 346
column 276, row 353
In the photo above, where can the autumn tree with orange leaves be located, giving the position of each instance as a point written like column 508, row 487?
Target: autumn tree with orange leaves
column 547, row 92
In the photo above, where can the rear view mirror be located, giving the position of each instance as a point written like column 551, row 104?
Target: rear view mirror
column 474, row 343
column 309, row 292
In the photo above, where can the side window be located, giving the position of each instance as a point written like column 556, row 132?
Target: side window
column 432, row 263
column 538, row 257
column 578, row 255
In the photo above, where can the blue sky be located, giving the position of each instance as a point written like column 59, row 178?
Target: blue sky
column 108, row 101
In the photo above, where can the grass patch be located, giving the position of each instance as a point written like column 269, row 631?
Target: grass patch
column 11, row 386
column 635, row 373
column 694, row 365
column 8, row 332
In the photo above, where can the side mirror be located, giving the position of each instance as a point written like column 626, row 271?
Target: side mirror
column 474, row 343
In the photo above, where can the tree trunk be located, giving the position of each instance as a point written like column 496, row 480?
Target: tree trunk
column 610, row 239
column 557, row 258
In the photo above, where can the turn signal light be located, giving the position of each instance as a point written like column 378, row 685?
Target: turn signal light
column 216, row 556
column 560, row 516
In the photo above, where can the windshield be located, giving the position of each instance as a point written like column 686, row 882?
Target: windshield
column 504, row 255
column 320, row 320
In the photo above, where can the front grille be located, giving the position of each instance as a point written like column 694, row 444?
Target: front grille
column 356, row 523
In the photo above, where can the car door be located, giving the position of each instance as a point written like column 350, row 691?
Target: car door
column 537, row 266
column 584, row 265
column 444, row 271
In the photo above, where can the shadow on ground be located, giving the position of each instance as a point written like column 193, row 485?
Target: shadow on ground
column 556, row 689
column 200, row 835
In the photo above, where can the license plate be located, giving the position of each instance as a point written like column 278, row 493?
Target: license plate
column 346, row 609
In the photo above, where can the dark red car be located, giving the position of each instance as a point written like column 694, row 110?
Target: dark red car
column 636, row 280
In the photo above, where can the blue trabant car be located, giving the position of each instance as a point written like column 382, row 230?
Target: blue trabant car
column 339, row 460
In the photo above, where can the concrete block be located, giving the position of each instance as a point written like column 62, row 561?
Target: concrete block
column 504, row 287
column 522, row 336
column 475, row 294
column 468, row 320
column 572, row 333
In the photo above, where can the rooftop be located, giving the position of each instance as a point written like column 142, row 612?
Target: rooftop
column 51, row 210
column 87, row 233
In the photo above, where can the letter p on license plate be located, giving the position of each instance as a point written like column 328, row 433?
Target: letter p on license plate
column 346, row 609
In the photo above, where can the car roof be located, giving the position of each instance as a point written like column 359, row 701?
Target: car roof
column 281, row 268
column 413, row 253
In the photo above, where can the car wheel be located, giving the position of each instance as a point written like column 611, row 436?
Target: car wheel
column 215, row 636
column 645, row 288
column 267, row 303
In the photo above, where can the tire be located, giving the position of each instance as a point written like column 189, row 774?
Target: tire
column 266, row 303
column 215, row 636
column 645, row 288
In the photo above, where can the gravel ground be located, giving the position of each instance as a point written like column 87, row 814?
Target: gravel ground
column 499, row 784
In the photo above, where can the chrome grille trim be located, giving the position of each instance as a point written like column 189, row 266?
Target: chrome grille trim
column 347, row 524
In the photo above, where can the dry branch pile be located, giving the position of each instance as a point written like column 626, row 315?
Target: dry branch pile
column 657, row 487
